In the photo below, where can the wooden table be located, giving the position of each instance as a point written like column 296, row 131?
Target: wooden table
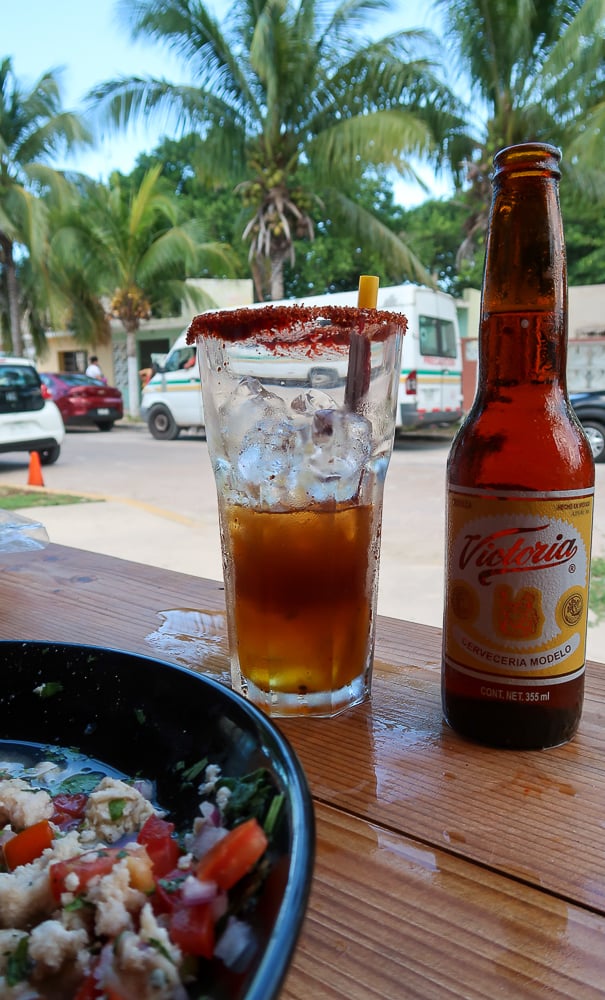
column 443, row 869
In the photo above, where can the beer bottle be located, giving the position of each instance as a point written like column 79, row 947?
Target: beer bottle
column 520, row 485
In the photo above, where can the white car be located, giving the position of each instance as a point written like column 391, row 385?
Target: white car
column 29, row 421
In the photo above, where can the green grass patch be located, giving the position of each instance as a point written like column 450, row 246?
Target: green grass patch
column 15, row 499
column 596, row 596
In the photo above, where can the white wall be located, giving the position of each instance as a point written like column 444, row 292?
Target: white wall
column 587, row 311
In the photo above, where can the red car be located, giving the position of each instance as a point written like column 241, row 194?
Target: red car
column 83, row 400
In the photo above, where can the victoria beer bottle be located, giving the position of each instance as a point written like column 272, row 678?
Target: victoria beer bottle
column 520, row 483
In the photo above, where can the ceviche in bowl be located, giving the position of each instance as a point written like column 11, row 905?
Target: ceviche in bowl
column 156, row 832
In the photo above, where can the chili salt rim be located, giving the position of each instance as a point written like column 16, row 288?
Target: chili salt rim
column 289, row 324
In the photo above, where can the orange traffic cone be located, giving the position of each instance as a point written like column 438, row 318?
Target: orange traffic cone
column 35, row 470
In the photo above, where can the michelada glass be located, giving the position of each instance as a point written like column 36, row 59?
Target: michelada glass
column 299, row 406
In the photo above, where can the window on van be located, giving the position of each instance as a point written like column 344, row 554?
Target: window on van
column 437, row 337
column 183, row 358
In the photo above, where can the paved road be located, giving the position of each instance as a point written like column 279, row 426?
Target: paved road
column 160, row 509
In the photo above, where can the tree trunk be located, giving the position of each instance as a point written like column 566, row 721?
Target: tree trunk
column 277, row 277
column 261, row 276
column 133, row 373
column 257, row 279
column 12, row 293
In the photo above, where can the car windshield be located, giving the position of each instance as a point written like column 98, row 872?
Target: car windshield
column 18, row 377
column 20, row 388
column 75, row 378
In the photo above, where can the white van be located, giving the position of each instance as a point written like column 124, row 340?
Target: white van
column 430, row 383
column 172, row 399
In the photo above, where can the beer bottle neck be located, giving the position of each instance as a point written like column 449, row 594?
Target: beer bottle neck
column 523, row 334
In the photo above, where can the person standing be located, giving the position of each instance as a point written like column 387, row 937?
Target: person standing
column 94, row 369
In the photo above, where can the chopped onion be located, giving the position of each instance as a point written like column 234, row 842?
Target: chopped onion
column 145, row 787
column 104, row 965
column 206, row 838
column 237, row 945
column 125, row 840
column 210, row 813
column 5, row 836
column 194, row 891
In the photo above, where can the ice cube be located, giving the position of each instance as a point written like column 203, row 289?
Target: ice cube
column 247, row 406
column 311, row 401
column 342, row 447
column 269, row 462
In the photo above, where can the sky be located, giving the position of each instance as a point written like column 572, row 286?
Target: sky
column 83, row 39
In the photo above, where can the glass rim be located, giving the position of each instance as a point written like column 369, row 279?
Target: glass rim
column 526, row 158
column 293, row 323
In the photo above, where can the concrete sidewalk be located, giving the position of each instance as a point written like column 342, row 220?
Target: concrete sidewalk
column 151, row 535
column 411, row 578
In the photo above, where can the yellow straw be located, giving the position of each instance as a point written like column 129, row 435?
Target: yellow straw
column 367, row 297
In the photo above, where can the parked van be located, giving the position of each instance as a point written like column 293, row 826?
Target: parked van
column 430, row 384
column 172, row 399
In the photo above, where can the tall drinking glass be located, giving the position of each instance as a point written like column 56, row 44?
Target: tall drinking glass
column 299, row 407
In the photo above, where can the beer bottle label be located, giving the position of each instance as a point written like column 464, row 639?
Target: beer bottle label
column 517, row 577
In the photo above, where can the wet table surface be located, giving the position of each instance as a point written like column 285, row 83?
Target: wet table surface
column 443, row 869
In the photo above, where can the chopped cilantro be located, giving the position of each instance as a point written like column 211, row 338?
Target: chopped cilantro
column 250, row 796
column 81, row 782
column 116, row 809
column 273, row 814
column 77, row 904
column 18, row 965
column 195, row 770
column 162, row 950
column 171, row 884
column 49, row 689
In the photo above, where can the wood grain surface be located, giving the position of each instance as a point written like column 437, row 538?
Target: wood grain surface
column 444, row 869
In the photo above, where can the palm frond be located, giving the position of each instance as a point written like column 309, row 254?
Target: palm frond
column 284, row 84
column 192, row 297
column 27, row 218
column 380, row 138
column 372, row 233
column 189, row 30
column 48, row 181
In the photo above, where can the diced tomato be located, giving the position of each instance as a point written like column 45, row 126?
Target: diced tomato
column 69, row 810
column 164, row 851
column 192, row 929
column 234, row 856
column 86, row 866
column 167, row 895
column 28, row 845
column 89, row 990
column 74, row 805
column 92, row 990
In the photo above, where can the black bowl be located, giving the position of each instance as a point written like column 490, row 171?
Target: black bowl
column 143, row 716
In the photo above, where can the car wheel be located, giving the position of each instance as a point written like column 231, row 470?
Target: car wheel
column 105, row 425
column 595, row 432
column 162, row 425
column 323, row 378
column 48, row 456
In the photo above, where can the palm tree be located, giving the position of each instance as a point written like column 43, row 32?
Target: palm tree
column 293, row 99
column 536, row 72
column 131, row 251
column 32, row 129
